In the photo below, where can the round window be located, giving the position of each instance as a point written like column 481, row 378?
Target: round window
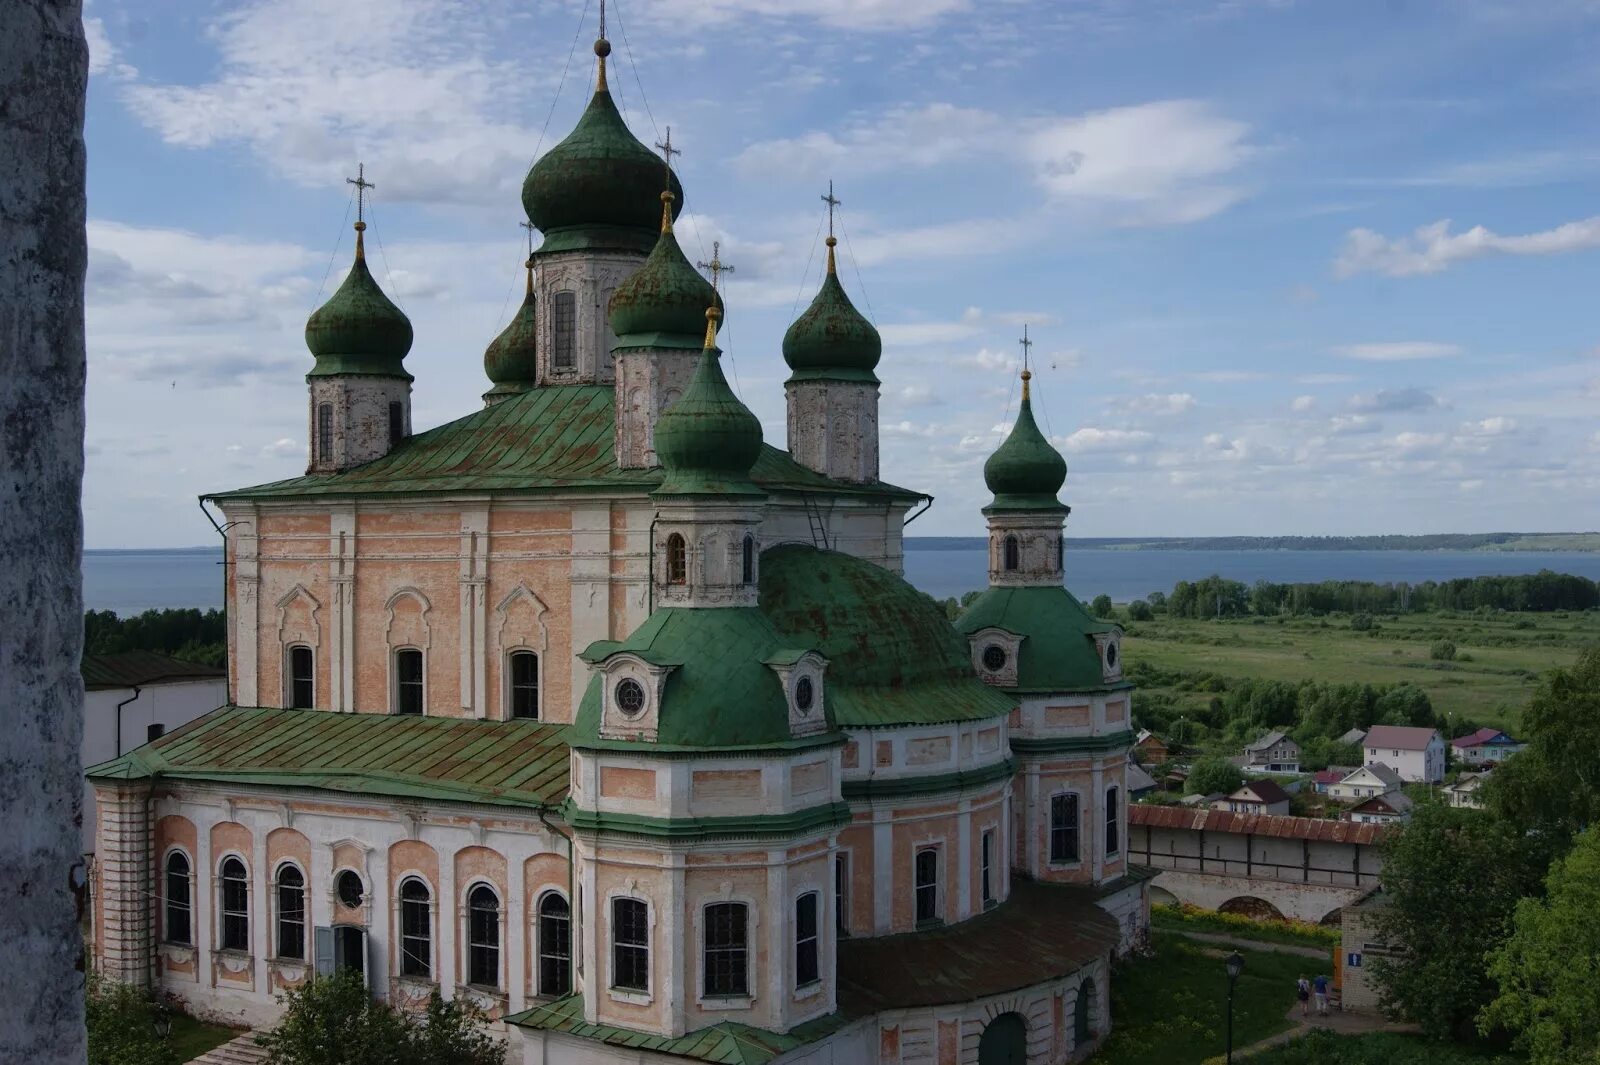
column 630, row 697
column 805, row 693
column 349, row 888
column 1111, row 656
column 994, row 658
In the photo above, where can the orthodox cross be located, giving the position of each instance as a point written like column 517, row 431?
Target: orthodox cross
column 1026, row 345
column 362, row 185
column 667, row 152
column 602, row 19
column 716, row 265
column 832, row 202
column 529, row 227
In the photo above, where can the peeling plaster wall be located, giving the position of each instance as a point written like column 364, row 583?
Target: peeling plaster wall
column 360, row 405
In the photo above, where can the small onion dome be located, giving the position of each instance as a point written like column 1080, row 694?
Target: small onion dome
column 832, row 339
column 708, row 440
column 1025, row 472
column 359, row 330
column 511, row 360
column 663, row 303
column 597, row 188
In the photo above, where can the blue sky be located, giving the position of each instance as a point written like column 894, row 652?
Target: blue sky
column 1313, row 268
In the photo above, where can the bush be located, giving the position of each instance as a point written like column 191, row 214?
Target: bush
column 1214, row 773
column 1102, row 608
column 335, row 1021
column 1139, row 610
column 1361, row 623
column 1185, row 916
column 1442, row 651
column 120, row 1030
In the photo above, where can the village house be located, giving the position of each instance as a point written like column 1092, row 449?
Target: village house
column 1365, row 782
column 1386, row 809
column 1417, row 754
column 1140, row 783
column 1353, row 737
column 595, row 710
column 1487, row 746
column 1274, row 752
column 1464, row 792
column 1149, row 748
column 1255, row 797
column 1323, row 780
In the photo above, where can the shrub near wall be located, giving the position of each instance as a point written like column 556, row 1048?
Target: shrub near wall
column 1186, row 918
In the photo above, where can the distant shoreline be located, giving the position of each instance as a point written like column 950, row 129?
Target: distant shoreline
column 1530, row 542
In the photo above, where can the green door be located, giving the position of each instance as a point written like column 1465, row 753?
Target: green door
column 1005, row 1041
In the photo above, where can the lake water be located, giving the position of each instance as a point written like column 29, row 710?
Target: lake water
column 130, row 581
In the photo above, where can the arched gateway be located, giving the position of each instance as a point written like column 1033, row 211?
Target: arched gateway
column 1004, row 1041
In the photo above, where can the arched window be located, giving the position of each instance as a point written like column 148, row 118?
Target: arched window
column 302, row 678
column 291, row 913
column 1082, row 1025
column 1113, row 822
column 235, row 906
column 630, row 945
column 1064, row 828
column 325, row 433
column 986, row 867
column 408, row 688
column 483, row 937
column 927, row 885
column 749, row 569
column 807, row 967
column 1012, row 553
column 677, row 560
column 564, row 330
column 179, row 908
column 416, row 929
column 555, row 945
column 727, row 952
column 524, row 684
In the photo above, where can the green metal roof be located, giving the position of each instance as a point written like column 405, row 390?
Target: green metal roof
column 1025, row 472
column 502, row 763
column 720, row 693
column 511, row 361
column 832, row 339
column 708, row 441
column 359, row 330
column 893, row 658
column 728, row 1043
column 1059, row 652
column 552, row 438
column 663, row 303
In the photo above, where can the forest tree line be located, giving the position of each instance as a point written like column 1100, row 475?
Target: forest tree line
column 192, row 635
column 1217, row 596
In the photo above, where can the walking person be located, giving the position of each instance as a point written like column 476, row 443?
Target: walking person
column 1320, row 986
column 1302, row 991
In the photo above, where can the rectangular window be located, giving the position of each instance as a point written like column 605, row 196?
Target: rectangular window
column 397, row 423
column 630, row 945
column 564, row 330
column 325, row 433
column 1064, row 828
column 524, row 684
column 985, row 867
column 408, row 681
column 726, row 970
column 302, row 678
column 1113, row 822
column 841, row 894
column 927, row 885
column 807, row 970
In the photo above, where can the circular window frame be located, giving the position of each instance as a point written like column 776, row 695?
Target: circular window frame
column 343, row 880
column 1113, row 656
column 805, row 695
column 624, row 693
column 994, row 657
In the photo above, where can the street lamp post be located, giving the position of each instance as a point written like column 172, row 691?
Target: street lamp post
column 1234, row 963
column 161, row 1020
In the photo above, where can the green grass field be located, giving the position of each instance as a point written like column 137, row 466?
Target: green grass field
column 191, row 1038
column 1499, row 656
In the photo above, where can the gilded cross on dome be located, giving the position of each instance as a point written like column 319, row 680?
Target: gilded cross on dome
column 716, row 265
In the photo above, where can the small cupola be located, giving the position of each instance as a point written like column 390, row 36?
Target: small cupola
column 663, row 304
column 1025, row 472
column 359, row 330
column 511, row 361
column 708, row 440
column 832, row 339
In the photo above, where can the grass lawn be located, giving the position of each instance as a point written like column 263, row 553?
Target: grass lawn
column 1377, row 1048
column 1171, row 1008
column 191, row 1038
column 1294, row 933
column 1505, row 654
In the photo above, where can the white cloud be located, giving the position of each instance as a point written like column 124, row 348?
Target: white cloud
column 1398, row 351
column 1090, row 439
column 103, row 57
column 898, row 137
column 1498, row 425
column 843, row 14
column 284, row 447
column 1395, row 399
column 1228, row 376
column 1155, row 403
column 1353, row 425
column 1303, row 403
column 1411, row 443
column 1433, row 248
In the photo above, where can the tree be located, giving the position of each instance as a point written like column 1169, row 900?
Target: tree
column 1447, row 873
column 1545, row 971
column 1212, row 774
column 1102, row 607
column 334, row 1020
column 1139, row 610
column 1442, row 651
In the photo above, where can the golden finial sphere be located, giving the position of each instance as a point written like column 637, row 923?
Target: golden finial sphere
column 602, row 48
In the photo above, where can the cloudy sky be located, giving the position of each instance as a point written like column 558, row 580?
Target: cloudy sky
column 1292, row 267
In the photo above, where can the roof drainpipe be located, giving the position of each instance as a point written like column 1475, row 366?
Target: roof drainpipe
column 927, row 501
column 120, row 705
column 227, row 653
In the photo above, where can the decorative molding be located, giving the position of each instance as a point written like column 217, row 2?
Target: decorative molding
column 409, row 592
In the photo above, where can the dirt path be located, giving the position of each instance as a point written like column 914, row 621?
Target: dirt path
column 1335, row 1021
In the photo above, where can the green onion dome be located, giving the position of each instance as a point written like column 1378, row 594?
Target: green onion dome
column 708, row 440
column 663, row 303
column 359, row 330
column 511, row 360
column 832, row 339
column 597, row 188
column 1025, row 472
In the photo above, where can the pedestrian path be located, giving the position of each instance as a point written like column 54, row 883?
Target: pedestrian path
column 242, row 1050
column 1339, row 1021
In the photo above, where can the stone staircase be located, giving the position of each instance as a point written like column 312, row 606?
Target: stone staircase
column 238, row 1051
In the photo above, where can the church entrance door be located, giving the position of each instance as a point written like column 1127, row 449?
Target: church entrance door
column 1004, row 1041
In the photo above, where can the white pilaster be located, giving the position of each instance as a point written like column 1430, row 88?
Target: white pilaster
column 379, row 908
column 964, row 859
column 448, row 970
column 883, row 885
column 676, row 965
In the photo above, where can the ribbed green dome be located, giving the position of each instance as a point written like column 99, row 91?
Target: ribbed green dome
column 708, row 440
column 359, row 330
column 1025, row 472
column 598, row 187
column 832, row 339
column 663, row 303
column 511, row 360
